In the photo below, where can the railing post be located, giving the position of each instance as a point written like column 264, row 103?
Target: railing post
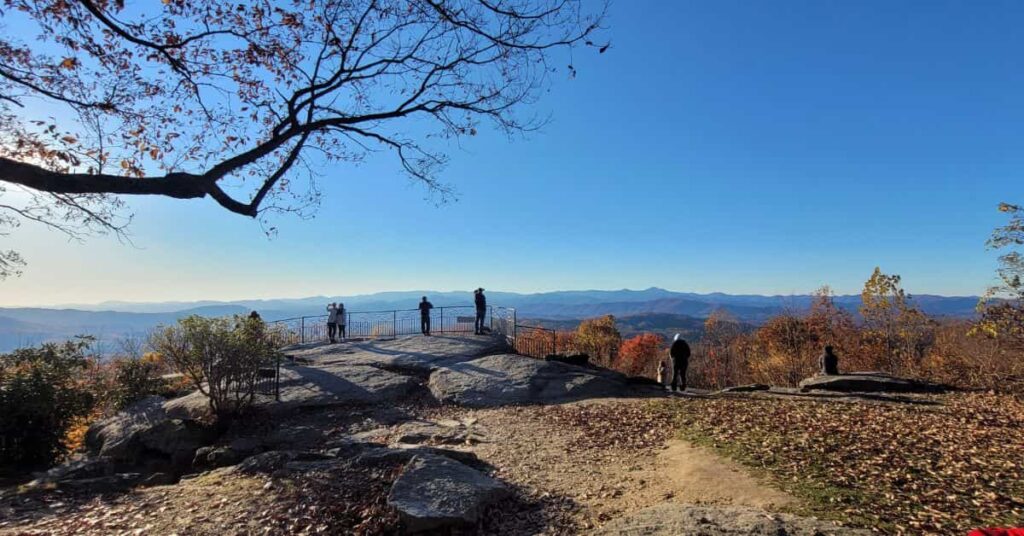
column 554, row 343
column 394, row 323
column 302, row 330
column 515, row 329
column 441, row 320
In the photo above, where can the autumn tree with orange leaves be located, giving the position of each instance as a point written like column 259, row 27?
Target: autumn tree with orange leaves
column 639, row 355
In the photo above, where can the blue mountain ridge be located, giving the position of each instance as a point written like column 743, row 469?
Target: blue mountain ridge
column 20, row 326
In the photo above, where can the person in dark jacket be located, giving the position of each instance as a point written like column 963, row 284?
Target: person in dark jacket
column 829, row 362
column 340, row 321
column 425, row 308
column 481, row 311
column 680, row 352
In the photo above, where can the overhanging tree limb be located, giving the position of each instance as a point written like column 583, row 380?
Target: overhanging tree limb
column 189, row 97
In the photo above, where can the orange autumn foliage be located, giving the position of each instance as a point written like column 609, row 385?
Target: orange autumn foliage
column 639, row 356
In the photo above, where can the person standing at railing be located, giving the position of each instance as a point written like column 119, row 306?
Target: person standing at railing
column 332, row 321
column 341, row 321
column 425, row 308
column 481, row 311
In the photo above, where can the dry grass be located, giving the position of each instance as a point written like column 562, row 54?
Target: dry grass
column 900, row 469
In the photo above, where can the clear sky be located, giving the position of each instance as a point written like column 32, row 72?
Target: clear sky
column 735, row 146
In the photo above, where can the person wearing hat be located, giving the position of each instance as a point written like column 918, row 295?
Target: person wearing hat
column 680, row 353
column 481, row 311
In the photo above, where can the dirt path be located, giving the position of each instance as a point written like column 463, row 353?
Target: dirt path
column 572, row 482
column 704, row 477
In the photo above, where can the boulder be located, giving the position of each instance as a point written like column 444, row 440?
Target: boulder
column 193, row 406
column 276, row 461
column 223, row 457
column 297, row 437
column 868, row 382
column 434, row 493
column 174, row 437
column 673, row 519
column 115, row 437
column 214, row 457
column 201, row 460
column 159, row 479
column 402, row 453
column 448, row 433
column 746, row 388
column 267, row 462
column 346, row 447
column 513, row 379
column 76, row 470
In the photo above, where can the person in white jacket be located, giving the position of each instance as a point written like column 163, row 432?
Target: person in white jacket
column 332, row 321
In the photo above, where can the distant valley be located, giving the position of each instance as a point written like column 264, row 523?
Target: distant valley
column 652, row 309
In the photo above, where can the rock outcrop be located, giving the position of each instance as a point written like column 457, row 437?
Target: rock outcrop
column 447, row 432
column 751, row 388
column 868, row 382
column 116, row 437
column 514, row 379
column 434, row 492
column 674, row 519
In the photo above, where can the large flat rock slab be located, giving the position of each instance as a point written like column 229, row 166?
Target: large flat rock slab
column 304, row 386
column 868, row 382
column 414, row 354
column 362, row 372
column 435, row 493
column 342, row 384
column 505, row 379
column 678, row 519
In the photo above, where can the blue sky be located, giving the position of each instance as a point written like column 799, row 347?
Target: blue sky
column 745, row 147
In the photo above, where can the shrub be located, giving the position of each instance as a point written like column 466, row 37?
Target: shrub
column 134, row 379
column 220, row 356
column 599, row 338
column 42, row 394
column 639, row 355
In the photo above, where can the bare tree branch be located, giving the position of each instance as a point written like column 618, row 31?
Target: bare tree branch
column 184, row 98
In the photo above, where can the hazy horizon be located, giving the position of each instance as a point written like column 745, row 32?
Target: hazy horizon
column 428, row 291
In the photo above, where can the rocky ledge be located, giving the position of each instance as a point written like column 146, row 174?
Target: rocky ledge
column 868, row 382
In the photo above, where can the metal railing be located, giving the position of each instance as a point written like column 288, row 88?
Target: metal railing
column 384, row 324
column 268, row 379
column 537, row 342
column 525, row 340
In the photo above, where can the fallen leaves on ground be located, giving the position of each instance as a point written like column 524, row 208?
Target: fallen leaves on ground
column 614, row 426
column 902, row 469
column 341, row 499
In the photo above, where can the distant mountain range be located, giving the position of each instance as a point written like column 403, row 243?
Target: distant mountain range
column 664, row 324
column 110, row 321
